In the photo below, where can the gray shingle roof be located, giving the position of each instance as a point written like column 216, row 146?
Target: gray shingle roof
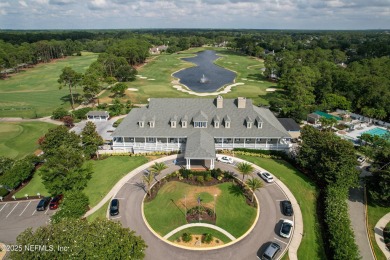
column 200, row 117
column 165, row 108
column 97, row 113
column 200, row 145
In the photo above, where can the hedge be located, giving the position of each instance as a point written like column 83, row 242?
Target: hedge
column 340, row 234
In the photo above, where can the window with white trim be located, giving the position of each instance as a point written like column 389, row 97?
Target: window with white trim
column 227, row 124
column 200, row 124
column 141, row 123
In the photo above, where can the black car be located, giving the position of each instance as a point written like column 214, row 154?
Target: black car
column 42, row 205
column 271, row 251
column 287, row 208
column 114, row 207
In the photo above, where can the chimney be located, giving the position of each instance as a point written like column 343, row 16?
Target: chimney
column 219, row 101
column 241, row 102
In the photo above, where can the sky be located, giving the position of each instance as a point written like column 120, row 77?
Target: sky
column 231, row 14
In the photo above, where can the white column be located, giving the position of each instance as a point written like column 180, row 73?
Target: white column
column 266, row 142
column 212, row 164
column 222, row 141
column 188, row 166
column 244, row 142
column 277, row 144
column 123, row 140
column 255, row 142
column 233, row 142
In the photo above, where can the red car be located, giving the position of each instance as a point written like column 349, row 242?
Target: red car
column 55, row 201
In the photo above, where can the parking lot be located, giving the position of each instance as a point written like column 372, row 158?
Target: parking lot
column 16, row 216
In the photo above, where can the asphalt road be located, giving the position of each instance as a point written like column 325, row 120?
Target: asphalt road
column 265, row 231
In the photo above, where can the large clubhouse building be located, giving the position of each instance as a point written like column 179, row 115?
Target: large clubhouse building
column 198, row 127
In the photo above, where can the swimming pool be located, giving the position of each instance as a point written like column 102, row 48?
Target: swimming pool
column 377, row 131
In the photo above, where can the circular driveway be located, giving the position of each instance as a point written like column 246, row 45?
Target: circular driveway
column 266, row 229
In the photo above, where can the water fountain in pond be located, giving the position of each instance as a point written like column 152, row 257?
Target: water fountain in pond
column 204, row 80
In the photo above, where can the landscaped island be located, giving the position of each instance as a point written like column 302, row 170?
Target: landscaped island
column 213, row 197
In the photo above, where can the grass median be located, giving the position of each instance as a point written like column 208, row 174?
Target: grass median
column 304, row 190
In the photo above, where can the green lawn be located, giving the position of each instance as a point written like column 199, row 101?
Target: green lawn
column 19, row 139
column 34, row 92
column 375, row 212
column 100, row 213
column 33, row 187
column 106, row 174
column 167, row 212
column 200, row 231
column 160, row 68
column 305, row 192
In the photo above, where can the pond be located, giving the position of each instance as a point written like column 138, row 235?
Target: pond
column 205, row 76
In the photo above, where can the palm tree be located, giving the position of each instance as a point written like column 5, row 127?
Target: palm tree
column 254, row 184
column 157, row 168
column 245, row 169
column 148, row 179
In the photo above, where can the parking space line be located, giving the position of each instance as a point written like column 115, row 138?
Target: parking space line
column 281, row 241
column 25, row 208
column 12, row 210
column 3, row 207
column 34, row 212
column 47, row 210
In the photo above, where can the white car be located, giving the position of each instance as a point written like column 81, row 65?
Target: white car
column 286, row 228
column 267, row 176
column 225, row 159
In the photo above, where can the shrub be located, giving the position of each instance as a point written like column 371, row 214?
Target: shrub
column 207, row 238
column 186, row 237
column 81, row 113
column 74, row 206
column 208, row 177
column 3, row 192
column 117, row 122
column 190, row 176
column 200, row 179
column 59, row 113
column 102, row 106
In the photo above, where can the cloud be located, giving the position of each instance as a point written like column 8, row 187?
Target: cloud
column 263, row 14
column 61, row 2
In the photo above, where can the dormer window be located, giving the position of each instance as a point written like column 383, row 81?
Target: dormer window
column 259, row 122
column 227, row 121
column 216, row 121
column 151, row 124
column 141, row 123
column 184, row 121
column 249, row 122
column 199, row 124
column 200, row 120
column 173, row 121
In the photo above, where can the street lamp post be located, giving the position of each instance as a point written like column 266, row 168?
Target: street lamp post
column 215, row 197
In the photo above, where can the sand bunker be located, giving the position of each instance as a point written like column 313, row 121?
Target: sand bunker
column 271, row 89
column 132, row 89
column 226, row 90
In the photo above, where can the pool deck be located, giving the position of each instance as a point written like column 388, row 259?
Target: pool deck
column 359, row 130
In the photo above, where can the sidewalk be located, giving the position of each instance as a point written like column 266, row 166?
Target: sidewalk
column 379, row 234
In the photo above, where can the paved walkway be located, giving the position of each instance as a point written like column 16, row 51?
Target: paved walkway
column 379, row 234
column 357, row 214
column 223, row 231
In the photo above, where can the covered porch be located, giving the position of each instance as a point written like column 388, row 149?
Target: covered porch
column 200, row 150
